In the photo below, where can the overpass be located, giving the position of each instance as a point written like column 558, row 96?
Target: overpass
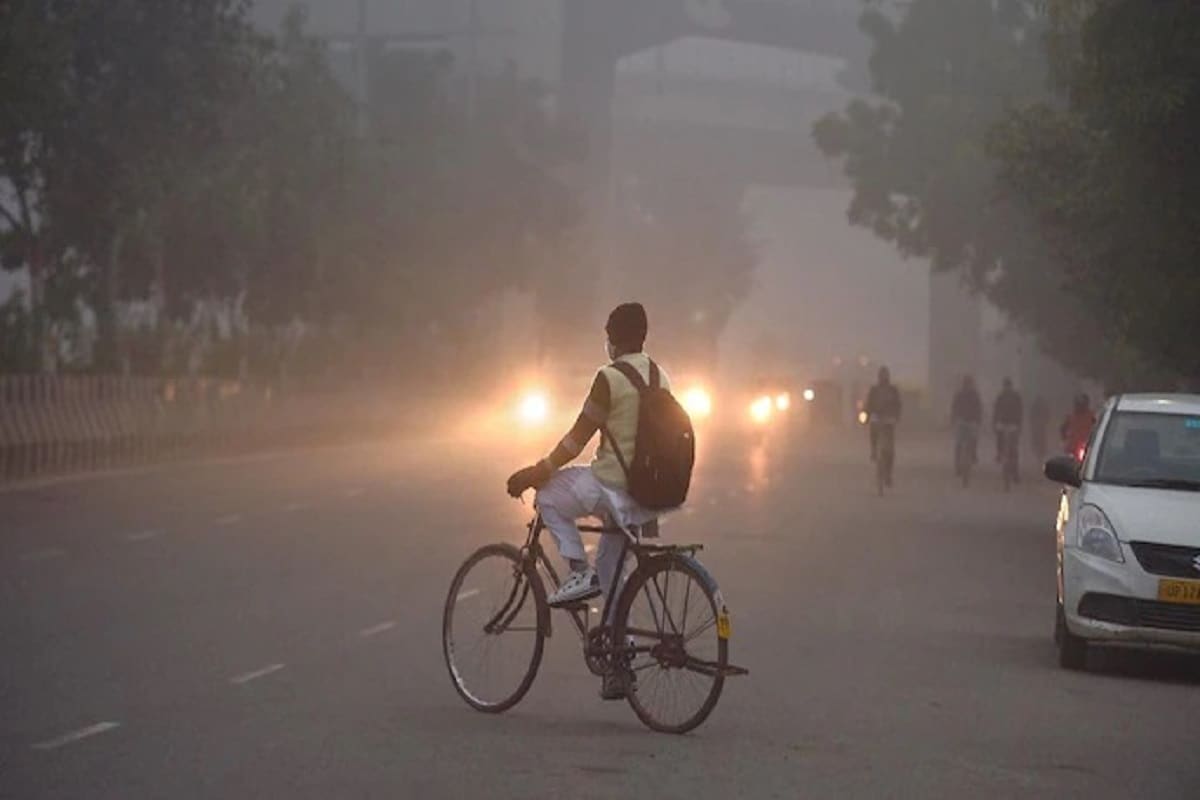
column 576, row 48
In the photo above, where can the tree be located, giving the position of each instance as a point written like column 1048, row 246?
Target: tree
column 33, row 59
column 1111, row 171
column 159, row 157
column 924, row 176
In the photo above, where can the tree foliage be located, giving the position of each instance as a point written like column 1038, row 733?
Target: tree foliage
column 157, row 156
column 1008, row 141
column 1112, row 174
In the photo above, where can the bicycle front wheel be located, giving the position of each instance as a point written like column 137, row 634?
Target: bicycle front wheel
column 670, row 617
column 491, row 633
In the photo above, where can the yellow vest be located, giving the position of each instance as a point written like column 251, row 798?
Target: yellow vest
column 622, row 419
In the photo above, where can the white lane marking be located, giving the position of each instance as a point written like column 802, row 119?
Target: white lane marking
column 44, row 555
column 355, row 492
column 142, row 536
column 253, row 675
column 228, row 519
column 297, row 507
column 75, row 736
column 469, row 593
column 375, row 630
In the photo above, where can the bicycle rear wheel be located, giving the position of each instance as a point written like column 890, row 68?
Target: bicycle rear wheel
column 492, row 638
column 672, row 615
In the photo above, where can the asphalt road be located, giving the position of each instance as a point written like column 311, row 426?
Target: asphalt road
column 271, row 628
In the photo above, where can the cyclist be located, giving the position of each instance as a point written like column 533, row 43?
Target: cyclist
column 1008, row 414
column 1077, row 427
column 567, row 495
column 883, row 407
column 966, row 415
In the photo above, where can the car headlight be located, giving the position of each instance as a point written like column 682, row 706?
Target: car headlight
column 783, row 401
column 697, row 402
column 533, row 409
column 760, row 409
column 1096, row 535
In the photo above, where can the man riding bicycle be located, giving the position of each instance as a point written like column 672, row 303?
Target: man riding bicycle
column 966, row 415
column 882, row 406
column 600, row 489
column 1008, row 414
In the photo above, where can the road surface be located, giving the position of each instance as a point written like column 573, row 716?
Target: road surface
column 271, row 628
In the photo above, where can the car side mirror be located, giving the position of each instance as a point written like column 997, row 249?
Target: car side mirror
column 1064, row 469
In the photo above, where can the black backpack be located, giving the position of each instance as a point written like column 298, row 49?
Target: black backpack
column 665, row 447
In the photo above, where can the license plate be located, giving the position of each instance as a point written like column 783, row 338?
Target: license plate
column 1188, row 592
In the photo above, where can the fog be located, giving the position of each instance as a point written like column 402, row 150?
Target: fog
column 478, row 183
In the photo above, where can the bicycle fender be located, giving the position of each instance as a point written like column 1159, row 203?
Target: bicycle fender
column 724, row 625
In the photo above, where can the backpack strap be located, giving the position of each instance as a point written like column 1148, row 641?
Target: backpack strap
column 639, row 383
column 635, row 377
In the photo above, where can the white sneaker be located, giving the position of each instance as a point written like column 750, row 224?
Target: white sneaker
column 578, row 586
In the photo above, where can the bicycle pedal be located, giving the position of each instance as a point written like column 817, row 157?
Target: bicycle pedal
column 574, row 605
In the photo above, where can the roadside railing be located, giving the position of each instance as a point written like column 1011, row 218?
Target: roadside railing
column 52, row 424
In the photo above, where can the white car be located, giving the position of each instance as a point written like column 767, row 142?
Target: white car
column 1129, row 529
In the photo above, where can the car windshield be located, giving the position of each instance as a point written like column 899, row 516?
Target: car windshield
column 1154, row 450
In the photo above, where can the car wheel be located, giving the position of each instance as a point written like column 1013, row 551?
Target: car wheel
column 1072, row 650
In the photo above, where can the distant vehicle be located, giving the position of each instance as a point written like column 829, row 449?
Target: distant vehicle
column 1129, row 529
column 770, row 405
column 549, row 402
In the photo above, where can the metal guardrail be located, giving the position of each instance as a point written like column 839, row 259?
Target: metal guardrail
column 53, row 424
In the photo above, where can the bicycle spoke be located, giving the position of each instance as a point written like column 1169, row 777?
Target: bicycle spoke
column 712, row 621
column 686, row 594
column 666, row 605
column 679, row 664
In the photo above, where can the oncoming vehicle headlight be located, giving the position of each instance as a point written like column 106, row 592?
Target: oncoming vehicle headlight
column 809, row 395
column 697, row 402
column 783, row 401
column 533, row 408
column 760, row 410
column 1096, row 535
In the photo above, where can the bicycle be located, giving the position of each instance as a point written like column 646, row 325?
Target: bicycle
column 1009, row 438
column 497, row 605
column 966, row 443
column 884, row 429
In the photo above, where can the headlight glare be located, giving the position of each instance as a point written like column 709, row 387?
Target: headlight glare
column 1096, row 535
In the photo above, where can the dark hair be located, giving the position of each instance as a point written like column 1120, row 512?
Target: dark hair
column 627, row 326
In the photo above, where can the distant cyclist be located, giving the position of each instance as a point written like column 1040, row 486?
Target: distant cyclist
column 1008, row 415
column 882, row 407
column 1077, row 428
column 966, row 415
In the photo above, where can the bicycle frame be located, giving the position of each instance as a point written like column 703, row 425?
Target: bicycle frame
column 597, row 652
column 630, row 542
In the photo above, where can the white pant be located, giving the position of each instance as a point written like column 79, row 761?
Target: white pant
column 574, row 493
